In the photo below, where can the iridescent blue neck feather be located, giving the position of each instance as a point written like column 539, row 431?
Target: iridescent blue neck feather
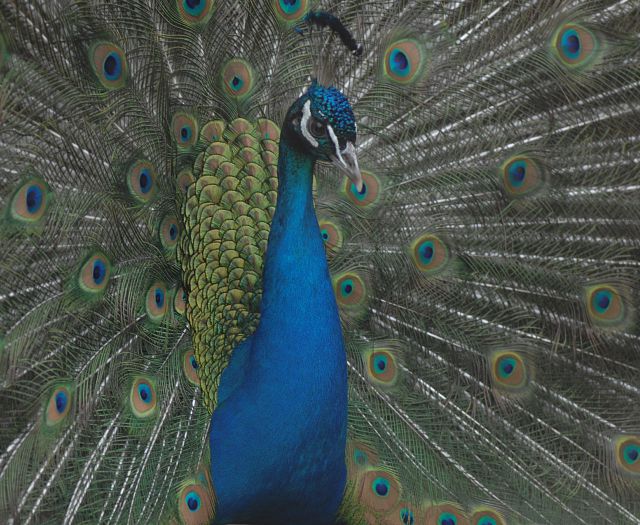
column 278, row 435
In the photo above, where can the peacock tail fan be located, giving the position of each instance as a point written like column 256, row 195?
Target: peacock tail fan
column 486, row 273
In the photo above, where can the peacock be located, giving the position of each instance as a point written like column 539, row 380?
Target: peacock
column 319, row 262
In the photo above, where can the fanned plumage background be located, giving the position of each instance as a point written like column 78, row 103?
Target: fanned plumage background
column 488, row 276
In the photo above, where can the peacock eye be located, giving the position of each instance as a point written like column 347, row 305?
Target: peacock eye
column 316, row 128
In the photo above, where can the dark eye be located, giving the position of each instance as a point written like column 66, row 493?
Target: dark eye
column 316, row 128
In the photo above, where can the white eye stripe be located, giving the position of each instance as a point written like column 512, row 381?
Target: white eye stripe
column 306, row 115
column 336, row 144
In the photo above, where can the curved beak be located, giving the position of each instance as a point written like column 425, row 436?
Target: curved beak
column 347, row 162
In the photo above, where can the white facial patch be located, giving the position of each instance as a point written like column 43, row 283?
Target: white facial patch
column 336, row 144
column 306, row 115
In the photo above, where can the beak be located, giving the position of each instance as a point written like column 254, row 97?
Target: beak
column 347, row 162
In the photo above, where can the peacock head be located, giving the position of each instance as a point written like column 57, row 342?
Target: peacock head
column 321, row 123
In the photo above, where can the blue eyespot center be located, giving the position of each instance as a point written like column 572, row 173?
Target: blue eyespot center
column 61, row 402
column 631, row 453
column 573, row 44
column 447, row 519
column 602, row 300
column 517, row 173
column 507, row 366
column 185, row 133
column 145, row 181
column 289, row 6
column 236, row 82
column 406, row 516
column 194, row 363
column 399, row 63
column 173, row 232
column 112, row 66
column 34, row 199
column 194, row 7
column 347, row 287
column 570, row 43
column 360, row 195
column 381, row 363
column 325, row 235
column 381, row 487
column 144, row 391
column 99, row 271
column 359, row 457
column 427, row 251
column 193, row 501
column 487, row 520
column 159, row 298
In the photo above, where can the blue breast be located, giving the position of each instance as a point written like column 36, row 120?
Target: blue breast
column 278, row 435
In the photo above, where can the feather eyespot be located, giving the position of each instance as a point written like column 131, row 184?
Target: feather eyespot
column 605, row 305
column 185, row 130
column 446, row 518
column 381, row 487
column 58, row 406
column 191, row 367
column 331, row 234
column 238, row 78
column 627, row 454
column 141, row 180
column 156, row 303
column 109, row 64
column 486, row 517
column 404, row 61
column 381, row 366
column 381, row 491
column 30, row 201
column 575, row 45
column 510, row 370
column 94, row 273
column 289, row 11
column 522, row 176
column 429, row 254
column 445, row 514
column 193, row 501
column 360, row 457
column 142, row 398
column 195, row 12
column 406, row 516
column 169, row 232
column 370, row 193
column 195, row 505
column 350, row 289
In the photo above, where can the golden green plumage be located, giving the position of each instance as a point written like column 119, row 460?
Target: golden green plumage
column 227, row 216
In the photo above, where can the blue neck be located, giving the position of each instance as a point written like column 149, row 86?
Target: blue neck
column 278, row 439
column 298, row 295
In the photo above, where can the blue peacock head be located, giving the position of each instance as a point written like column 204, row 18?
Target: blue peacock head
column 321, row 123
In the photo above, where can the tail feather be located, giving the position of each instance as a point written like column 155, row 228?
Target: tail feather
column 487, row 274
